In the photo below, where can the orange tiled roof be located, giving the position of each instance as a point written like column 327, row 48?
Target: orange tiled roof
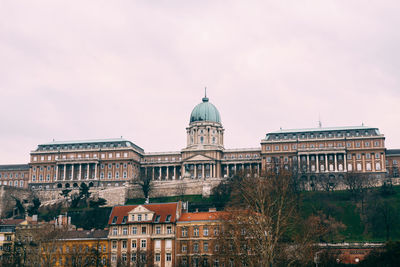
column 163, row 210
column 202, row 216
column 11, row 221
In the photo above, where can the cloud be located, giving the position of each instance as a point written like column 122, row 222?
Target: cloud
column 105, row 69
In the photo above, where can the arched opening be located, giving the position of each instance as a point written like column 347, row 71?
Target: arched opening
column 67, row 185
column 75, row 185
column 59, row 185
column 82, row 184
column 91, row 184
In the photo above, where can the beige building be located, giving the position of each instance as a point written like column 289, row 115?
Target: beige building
column 114, row 162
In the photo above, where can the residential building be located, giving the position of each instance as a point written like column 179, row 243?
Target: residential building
column 144, row 234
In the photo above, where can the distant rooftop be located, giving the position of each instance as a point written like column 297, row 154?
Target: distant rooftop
column 94, row 143
column 323, row 129
column 393, row 152
column 14, row 167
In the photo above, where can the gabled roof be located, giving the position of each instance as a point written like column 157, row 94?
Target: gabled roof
column 163, row 209
column 202, row 216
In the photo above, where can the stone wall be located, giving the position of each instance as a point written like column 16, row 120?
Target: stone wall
column 8, row 195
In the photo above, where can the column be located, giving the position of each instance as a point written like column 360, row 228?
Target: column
column 308, row 163
column 227, row 170
column 214, row 166
column 95, row 171
column 88, row 171
column 72, row 172
column 235, row 168
column 317, row 163
column 335, row 166
column 159, row 176
column 65, row 172
column 152, row 173
column 298, row 163
column 195, row 171
column 167, row 173
column 373, row 162
column 80, row 172
column 345, row 162
column 202, row 171
column 174, row 173
column 326, row 162
column 56, row 172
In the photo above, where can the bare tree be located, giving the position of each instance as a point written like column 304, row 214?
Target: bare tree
column 180, row 189
column 145, row 182
column 358, row 185
column 263, row 226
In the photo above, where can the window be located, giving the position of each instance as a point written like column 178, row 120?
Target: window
column 368, row 155
column 169, row 230
column 144, row 230
column 143, row 243
column 114, row 244
column 124, row 175
column 124, row 219
column 168, row 257
column 205, row 231
column 184, row 232
column 216, row 231
column 367, row 144
column 109, row 175
column 109, row 165
column 125, row 231
column 184, row 248
column 158, row 257
column 115, row 231
column 114, row 220
column 205, row 247
column 158, row 230
column 102, row 175
column 196, row 247
column 196, row 231
column 139, row 217
column 358, row 144
column 168, row 244
column 158, row 244
column 348, row 156
column 134, row 245
column 157, row 219
column 133, row 258
column 134, row 230
column 124, row 244
column 377, row 156
column 168, row 219
column 276, row 147
column 124, row 257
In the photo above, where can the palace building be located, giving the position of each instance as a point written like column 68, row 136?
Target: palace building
column 114, row 162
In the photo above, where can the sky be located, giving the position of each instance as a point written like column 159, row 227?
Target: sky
column 75, row 70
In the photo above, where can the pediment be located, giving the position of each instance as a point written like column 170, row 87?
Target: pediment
column 199, row 158
column 140, row 209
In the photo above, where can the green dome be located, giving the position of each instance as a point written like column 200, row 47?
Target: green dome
column 205, row 111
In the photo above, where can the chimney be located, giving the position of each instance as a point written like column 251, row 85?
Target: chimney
column 212, row 209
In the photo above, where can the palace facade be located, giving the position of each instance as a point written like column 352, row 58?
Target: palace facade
column 114, row 162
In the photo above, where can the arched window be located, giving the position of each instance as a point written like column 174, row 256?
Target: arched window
column 201, row 139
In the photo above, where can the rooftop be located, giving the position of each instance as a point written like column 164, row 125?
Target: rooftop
column 162, row 209
column 393, row 152
column 83, row 234
column 323, row 129
column 202, row 216
column 14, row 167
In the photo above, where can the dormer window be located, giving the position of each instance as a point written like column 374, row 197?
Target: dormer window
column 114, row 220
column 157, row 219
column 168, row 219
column 125, row 219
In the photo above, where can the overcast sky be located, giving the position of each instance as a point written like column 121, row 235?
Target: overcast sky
column 73, row 70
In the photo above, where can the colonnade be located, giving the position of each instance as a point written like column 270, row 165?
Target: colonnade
column 80, row 171
column 319, row 162
column 231, row 169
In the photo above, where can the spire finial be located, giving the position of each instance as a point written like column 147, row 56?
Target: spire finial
column 205, row 98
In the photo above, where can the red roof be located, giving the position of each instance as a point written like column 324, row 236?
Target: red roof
column 163, row 210
column 202, row 216
column 11, row 221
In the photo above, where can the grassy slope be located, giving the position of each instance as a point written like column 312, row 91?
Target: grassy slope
column 338, row 204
